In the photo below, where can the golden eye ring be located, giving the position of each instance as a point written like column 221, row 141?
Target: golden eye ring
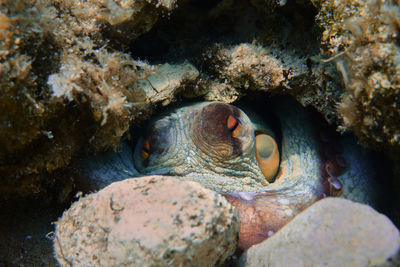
column 267, row 154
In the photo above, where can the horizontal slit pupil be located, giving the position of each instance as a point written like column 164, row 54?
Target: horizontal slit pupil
column 232, row 119
column 234, row 126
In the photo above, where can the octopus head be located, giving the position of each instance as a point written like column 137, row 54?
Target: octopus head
column 210, row 139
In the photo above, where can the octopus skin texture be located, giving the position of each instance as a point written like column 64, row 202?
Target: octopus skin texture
column 218, row 145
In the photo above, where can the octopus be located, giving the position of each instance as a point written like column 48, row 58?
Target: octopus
column 270, row 166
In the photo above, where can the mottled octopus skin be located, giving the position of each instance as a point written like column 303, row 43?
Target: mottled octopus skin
column 263, row 208
column 193, row 142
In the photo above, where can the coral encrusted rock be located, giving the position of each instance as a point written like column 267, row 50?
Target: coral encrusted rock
column 68, row 85
column 332, row 232
column 150, row 221
column 95, row 99
column 362, row 38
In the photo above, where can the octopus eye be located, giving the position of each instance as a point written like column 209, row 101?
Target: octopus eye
column 221, row 131
column 267, row 155
column 145, row 152
column 155, row 144
column 234, row 125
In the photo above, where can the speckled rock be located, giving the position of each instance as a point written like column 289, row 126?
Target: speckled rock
column 150, row 221
column 332, row 232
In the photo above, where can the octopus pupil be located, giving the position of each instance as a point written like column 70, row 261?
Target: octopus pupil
column 233, row 128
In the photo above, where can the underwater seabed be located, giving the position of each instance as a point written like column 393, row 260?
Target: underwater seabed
column 26, row 228
column 79, row 77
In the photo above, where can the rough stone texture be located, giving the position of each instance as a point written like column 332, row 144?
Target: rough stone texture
column 65, row 65
column 247, row 68
column 250, row 66
column 361, row 38
column 150, row 221
column 121, row 20
column 331, row 16
column 332, row 232
column 167, row 80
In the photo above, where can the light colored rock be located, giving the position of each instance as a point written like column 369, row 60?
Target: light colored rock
column 149, row 221
column 167, row 80
column 332, row 232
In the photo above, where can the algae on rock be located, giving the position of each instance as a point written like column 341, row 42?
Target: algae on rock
column 245, row 68
column 64, row 86
column 362, row 37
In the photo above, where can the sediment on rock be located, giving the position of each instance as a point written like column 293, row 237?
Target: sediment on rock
column 149, row 221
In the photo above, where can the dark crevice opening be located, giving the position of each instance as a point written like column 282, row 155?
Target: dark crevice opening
column 196, row 26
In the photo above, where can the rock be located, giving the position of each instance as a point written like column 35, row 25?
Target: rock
column 332, row 232
column 346, row 25
column 167, row 80
column 150, row 221
column 55, row 53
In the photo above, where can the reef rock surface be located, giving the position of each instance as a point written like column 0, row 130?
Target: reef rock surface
column 58, row 71
column 361, row 37
column 150, row 221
